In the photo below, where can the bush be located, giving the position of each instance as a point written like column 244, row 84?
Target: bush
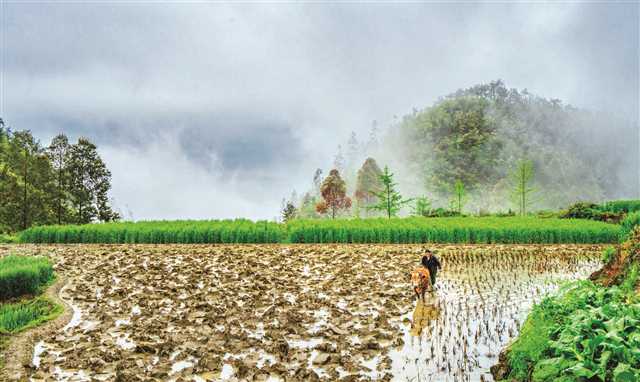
column 621, row 206
column 592, row 211
column 608, row 254
column 22, row 275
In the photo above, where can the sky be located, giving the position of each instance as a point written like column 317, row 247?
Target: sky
column 219, row 110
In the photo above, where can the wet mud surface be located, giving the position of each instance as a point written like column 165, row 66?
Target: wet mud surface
column 294, row 313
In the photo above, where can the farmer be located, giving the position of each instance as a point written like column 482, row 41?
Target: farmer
column 430, row 261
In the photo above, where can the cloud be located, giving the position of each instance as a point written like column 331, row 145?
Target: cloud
column 250, row 98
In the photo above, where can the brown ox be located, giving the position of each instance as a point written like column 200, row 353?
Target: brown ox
column 421, row 281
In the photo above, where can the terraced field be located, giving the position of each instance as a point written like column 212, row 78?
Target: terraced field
column 292, row 312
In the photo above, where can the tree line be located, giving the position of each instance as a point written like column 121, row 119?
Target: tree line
column 63, row 183
column 376, row 192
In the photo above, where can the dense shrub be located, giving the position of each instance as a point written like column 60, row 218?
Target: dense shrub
column 592, row 211
column 618, row 206
column 21, row 275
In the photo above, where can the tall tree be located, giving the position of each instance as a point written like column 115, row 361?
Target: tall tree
column 90, row 181
column 334, row 195
column 338, row 161
column 389, row 199
column 367, row 183
column 353, row 149
column 58, row 152
column 523, row 193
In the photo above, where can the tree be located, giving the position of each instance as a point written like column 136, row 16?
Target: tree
column 389, row 200
column 523, row 193
column 422, row 206
column 367, row 183
column 459, row 196
column 338, row 160
column 353, row 149
column 288, row 212
column 90, row 181
column 334, row 195
column 317, row 181
column 58, row 153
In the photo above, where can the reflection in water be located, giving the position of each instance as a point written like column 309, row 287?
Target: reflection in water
column 423, row 314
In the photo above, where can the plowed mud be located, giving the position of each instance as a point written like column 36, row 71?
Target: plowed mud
column 294, row 313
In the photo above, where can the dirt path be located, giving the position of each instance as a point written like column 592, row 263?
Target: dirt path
column 19, row 352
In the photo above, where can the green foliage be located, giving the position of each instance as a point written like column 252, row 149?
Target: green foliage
column 180, row 231
column 584, row 332
column 378, row 230
column 628, row 223
column 474, row 135
column 389, row 200
column 523, row 192
column 22, row 275
column 459, row 197
column 617, row 206
column 368, row 183
column 452, row 230
column 588, row 210
column 608, row 254
column 422, row 206
column 455, row 140
column 22, row 315
column 8, row 239
column 59, row 184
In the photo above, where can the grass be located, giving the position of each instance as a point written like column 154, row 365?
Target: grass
column 521, row 230
column 617, row 206
column 19, row 316
column 8, row 239
column 23, row 275
column 159, row 232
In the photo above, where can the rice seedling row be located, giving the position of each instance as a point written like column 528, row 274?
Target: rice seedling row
column 408, row 230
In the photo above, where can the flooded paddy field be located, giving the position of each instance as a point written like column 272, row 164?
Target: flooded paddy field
column 292, row 313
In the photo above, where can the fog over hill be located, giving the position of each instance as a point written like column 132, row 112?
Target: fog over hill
column 210, row 110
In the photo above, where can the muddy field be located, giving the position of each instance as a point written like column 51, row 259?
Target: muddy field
column 306, row 312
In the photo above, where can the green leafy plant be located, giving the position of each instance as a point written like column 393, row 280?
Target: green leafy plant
column 23, row 275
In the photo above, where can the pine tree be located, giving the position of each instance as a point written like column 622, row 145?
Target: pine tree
column 389, row 200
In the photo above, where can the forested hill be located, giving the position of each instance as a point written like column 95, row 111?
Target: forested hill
column 478, row 135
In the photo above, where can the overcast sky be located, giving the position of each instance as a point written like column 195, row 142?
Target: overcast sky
column 210, row 110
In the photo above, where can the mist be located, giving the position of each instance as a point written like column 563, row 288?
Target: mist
column 216, row 110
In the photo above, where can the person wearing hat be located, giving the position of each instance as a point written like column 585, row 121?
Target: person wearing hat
column 430, row 261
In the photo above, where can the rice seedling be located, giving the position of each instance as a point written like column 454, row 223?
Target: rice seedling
column 525, row 230
column 21, row 315
column 22, row 275
column 159, row 232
